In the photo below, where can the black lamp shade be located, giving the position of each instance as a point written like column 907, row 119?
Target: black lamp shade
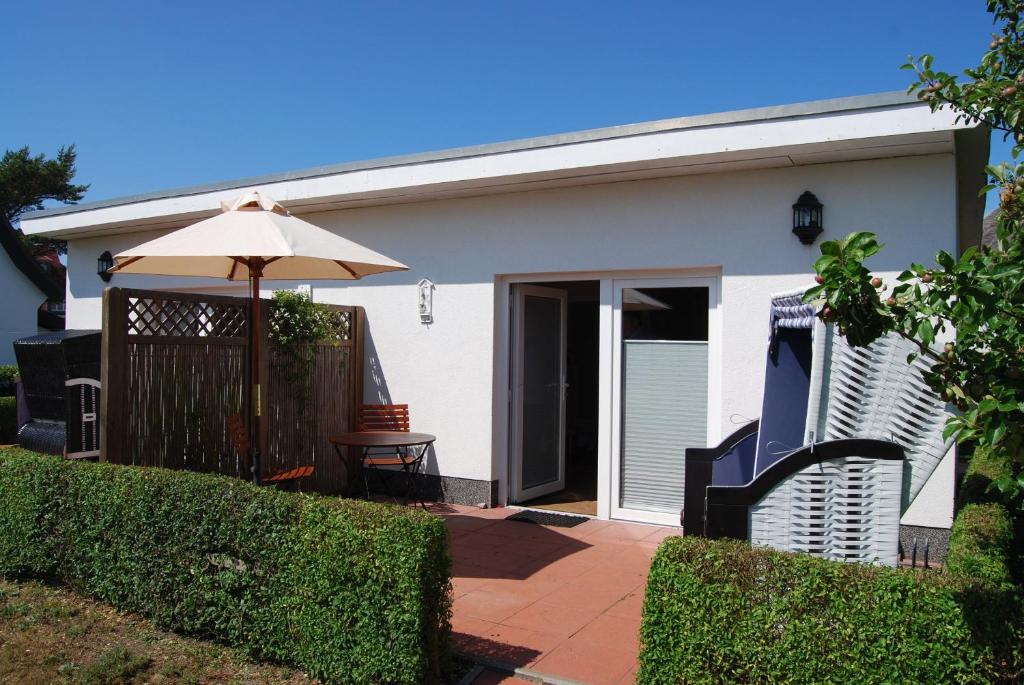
column 807, row 218
column 105, row 262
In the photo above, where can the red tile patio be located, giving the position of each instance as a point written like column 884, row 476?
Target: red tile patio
column 549, row 603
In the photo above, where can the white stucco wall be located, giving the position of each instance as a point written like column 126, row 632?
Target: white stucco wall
column 736, row 222
column 19, row 304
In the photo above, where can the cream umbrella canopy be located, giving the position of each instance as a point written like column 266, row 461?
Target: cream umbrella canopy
column 254, row 238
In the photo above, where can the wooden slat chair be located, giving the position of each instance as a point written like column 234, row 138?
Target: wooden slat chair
column 390, row 417
column 240, row 440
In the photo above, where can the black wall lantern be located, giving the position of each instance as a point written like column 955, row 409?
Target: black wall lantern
column 807, row 224
column 105, row 262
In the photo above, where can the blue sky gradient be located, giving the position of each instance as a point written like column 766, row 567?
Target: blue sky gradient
column 164, row 94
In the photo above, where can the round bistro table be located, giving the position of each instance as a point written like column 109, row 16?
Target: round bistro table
column 406, row 450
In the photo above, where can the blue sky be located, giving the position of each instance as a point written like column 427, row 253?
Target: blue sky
column 164, row 94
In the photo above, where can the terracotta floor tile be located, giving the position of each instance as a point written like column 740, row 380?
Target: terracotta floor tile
column 528, row 588
column 518, row 646
column 489, row 606
column 585, row 529
column 587, row 597
column 566, row 569
column 623, row 531
column 649, row 546
column 565, row 602
column 495, row 512
column 490, row 677
column 630, row 677
column 466, row 630
column 591, row 664
column 629, row 606
column 461, row 586
column 464, row 569
column 457, row 523
column 601, row 578
column 552, row 619
column 610, row 631
column 660, row 534
column 631, row 559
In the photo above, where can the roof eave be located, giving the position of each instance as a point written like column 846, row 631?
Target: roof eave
column 667, row 144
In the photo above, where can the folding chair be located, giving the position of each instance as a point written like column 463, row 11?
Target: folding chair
column 394, row 418
column 240, row 441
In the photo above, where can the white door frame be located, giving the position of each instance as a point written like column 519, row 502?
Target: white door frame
column 501, row 440
column 516, row 490
column 714, row 383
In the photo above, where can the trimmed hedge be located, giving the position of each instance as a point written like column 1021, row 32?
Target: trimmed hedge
column 722, row 612
column 981, row 543
column 8, row 419
column 983, row 469
column 353, row 592
column 8, row 374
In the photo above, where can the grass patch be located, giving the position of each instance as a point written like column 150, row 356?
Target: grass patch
column 51, row 635
column 115, row 666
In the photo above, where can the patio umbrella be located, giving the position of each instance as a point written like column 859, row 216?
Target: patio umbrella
column 254, row 238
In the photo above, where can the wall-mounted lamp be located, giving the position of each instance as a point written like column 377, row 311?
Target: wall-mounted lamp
column 103, row 264
column 426, row 300
column 807, row 223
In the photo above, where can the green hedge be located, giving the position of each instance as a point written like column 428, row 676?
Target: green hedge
column 723, row 612
column 983, row 469
column 8, row 372
column 981, row 543
column 8, row 419
column 351, row 591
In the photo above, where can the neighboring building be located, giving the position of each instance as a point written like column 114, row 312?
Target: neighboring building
column 988, row 228
column 674, row 230
column 28, row 289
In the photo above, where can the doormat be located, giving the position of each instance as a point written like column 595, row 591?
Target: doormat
column 547, row 518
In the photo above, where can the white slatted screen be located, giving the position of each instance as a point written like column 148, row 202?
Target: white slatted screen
column 872, row 392
column 846, row 509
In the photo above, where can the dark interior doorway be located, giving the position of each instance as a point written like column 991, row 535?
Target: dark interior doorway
column 581, row 401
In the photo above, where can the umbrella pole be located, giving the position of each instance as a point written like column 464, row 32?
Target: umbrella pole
column 255, row 271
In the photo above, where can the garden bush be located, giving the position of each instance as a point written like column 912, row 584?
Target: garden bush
column 8, row 419
column 351, row 591
column 8, row 374
column 983, row 470
column 981, row 543
column 720, row 611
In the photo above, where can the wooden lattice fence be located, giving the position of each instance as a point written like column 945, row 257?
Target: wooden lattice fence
column 176, row 365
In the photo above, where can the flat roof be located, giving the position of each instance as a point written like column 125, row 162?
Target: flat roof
column 878, row 126
column 800, row 109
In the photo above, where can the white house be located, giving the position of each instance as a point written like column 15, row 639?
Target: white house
column 25, row 288
column 547, row 254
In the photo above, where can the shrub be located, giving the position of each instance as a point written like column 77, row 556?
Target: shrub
column 983, row 470
column 8, row 374
column 8, row 419
column 981, row 543
column 722, row 612
column 352, row 591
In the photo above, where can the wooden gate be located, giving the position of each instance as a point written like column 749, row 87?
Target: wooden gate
column 176, row 365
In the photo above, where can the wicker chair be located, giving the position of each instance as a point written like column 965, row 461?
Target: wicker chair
column 847, row 439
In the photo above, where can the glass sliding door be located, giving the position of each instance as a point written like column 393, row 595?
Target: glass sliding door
column 661, row 399
column 539, row 397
